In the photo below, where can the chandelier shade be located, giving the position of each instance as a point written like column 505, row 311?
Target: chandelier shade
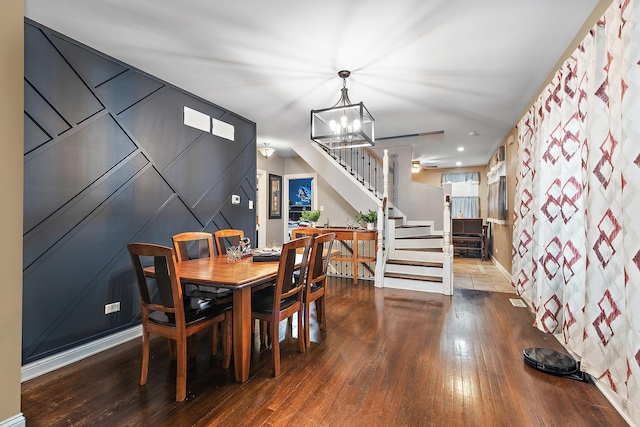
column 345, row 125
column 266, row 151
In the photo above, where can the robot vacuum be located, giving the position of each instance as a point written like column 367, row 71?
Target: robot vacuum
column 554, row 363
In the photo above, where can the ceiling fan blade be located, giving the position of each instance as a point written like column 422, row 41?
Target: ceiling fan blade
column 433, row 132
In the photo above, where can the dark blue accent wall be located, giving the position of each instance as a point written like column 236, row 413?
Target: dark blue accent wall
column 107, row 162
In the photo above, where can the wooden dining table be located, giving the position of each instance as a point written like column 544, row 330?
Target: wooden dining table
column 240, row 277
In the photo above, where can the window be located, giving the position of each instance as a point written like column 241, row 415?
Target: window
column 465, row 200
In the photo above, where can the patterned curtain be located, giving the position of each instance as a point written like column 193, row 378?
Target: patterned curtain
column 576, row 241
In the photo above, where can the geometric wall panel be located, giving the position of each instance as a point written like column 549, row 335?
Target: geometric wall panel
column 108, row 161
column 43, row 114
column 157, row 124
column 52, row 177
column 54, row 78
column 95, row 69
column 33, row 134
column 127, row 89
column 56, row 227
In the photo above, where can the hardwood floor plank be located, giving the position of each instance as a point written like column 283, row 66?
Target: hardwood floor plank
column 388, row 358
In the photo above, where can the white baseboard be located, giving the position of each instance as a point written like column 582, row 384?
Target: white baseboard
column 15, row 421
column 40, row 367
column 501, row 269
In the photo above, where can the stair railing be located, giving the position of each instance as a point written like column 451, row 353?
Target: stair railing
column 364, row 165
column 374, row 174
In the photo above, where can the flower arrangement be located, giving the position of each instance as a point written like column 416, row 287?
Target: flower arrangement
column 370, row 216
column 310, row 216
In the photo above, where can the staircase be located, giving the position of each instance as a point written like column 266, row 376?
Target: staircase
column 411, row 254
column 416, row 260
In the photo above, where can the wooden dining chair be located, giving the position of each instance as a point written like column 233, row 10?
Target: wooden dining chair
column 199, row 240
column 193, row 245
column 226, row 238
column 173, row 315
column 282, row 301
column 314, row 285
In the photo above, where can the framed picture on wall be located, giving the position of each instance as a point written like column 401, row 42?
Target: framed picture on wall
column 275, row 196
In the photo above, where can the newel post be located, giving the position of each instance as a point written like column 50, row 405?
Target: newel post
column 447, row 248
column 382, row 221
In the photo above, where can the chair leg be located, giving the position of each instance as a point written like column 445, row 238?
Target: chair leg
column 171, row 344
column 320, row 313
column 181, row 370
column 275, row 347
column 144, row 366
column 307, row 326
column 302, row 341
column 264, row 333
column 192, row 346
column 213, row 339
column 227, row 331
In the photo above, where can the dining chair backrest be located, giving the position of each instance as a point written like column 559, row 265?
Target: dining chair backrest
column 226, row 238
column 319, row 260
column 201, row 241
column 166, row 279
column 305, row 231
column 287, row 285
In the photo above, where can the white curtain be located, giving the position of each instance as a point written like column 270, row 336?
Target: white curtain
column 465, row 202
column 576, row 240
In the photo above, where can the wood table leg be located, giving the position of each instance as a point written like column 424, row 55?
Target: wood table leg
column 242, row 332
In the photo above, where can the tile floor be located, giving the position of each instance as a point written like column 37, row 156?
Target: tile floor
column 473, row 273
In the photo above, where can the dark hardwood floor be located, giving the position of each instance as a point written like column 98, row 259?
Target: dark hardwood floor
column 388, row 358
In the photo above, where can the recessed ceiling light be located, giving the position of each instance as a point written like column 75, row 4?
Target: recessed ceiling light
column 460, row 148
column 458, row 163
column 473, row 133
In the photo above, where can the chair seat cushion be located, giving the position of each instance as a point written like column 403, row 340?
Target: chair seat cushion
column 196, row 309
column 262, row 301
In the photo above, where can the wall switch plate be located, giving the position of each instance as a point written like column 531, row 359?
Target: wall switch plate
column 250, row 204
column 112, row 308
column 235, row 199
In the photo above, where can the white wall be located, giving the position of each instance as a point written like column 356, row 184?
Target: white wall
column 420, row 202
column 335, row 206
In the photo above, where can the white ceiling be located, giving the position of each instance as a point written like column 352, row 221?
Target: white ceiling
column 418, row 65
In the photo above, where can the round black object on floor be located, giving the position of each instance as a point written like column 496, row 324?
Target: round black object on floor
column 553, row 362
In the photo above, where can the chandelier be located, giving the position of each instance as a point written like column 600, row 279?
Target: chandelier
column 345, row 125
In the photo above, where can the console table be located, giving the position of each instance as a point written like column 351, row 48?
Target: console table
column 345, row 235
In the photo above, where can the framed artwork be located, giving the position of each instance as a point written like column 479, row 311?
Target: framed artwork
column 275, row 196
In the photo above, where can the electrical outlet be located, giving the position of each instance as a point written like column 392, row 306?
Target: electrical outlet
column 112, row 308
column 235, row 199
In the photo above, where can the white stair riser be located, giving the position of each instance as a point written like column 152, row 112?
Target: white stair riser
column 414, row 269
column 408, row 255
column 412, row 231
column 413, row 285
column 418, row 243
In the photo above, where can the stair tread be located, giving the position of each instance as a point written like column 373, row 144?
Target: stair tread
column 415, row 263
column 413, row 226
column 413, row 277
column 420, row 249
column 424, row 236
